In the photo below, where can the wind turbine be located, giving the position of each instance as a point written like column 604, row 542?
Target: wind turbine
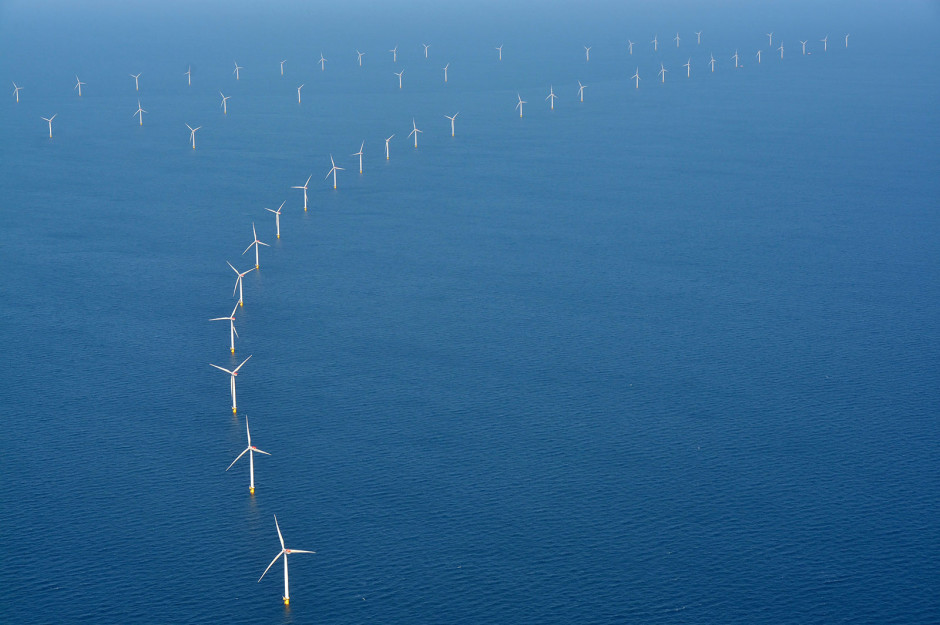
column 305, row 191
column 781, row 50
column 698, row 37
column 551, row 96
column 662, row 72
column 426, row 46
column 735, row 57
column 16, row 92
column 587, row 53
column 277, row 217
column 452, row 122
column 282, row 66
column 239, row 280
column 49, row 119
column 630, row 46
column 78, row 85
column 712, row 62
column 231, row 320
column 192, row 134
column 237, row 67
column 394, row 52
column 803, row 43
column 655, row 43
column 386, row 146
column 333, row 171
column 500, row 49
column 283, row 552
column 360, row 57
column 825, row 42
column 399, row 77
column 637, row 76
column 256, row 243
column 414, row 132
column 322, row 62
column 521, row 102
column 298, row 93
column 688, row 68
column 225, row 99
column 770, row 39
column 136, row 78
column 758, row 57
column 846, row 40
column 581, row 89
column 445, row 72
column 233, row 373
column 139, row 112
column 189, row 76
column 359, row 154
column 251, row 449
column 676, row 39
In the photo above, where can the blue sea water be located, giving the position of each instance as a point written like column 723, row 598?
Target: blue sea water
column 669, row 355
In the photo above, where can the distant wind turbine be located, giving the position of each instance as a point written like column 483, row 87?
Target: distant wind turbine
column 49, row 119
column 78, row 85
column 255, row 243
column 698, row 37
column 637, row 77
column 333, row 171
column 360, row 57
column 452, row 122
column 139, row 112
column 225, row 99
column 322, row 62
column 630, row 46
column 688, row 68
column 399, row 74
column 386, row 146
column 662, row 72
column 192, row 134
column 298, row 93
column 445, row 72
column 781, row 50
column 803, row 43
column 237, row 69
column 414, row 132
column 519, row 105
column 587, row 53
column 758, row 57
column 233, row 373
column 825, row 42
column 394, row 52
column 846, row 40
column 581, row 89
column 283, row 552
column 359, row 154
column 676, row 38
column 189, row 76
column 735, row 57
column 551, row 96
column 304, row 187
column 239, row 280
column 277, row 217
column 770, row 39
column 136, row 78
column 426, row 46
column 231, row 320
column 250, row 450
column 500, row 49
column 16, row 92
column 655, row 43
column 712, row 62
column 282, row 66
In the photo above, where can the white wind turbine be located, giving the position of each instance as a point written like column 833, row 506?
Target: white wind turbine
column 426, row 46
column 386, row 146
column 655, row 43
column 189, row 75
column 803, row 43
column 333, row 171
column 298, row 93
column 394, row 52
column 78, row 85
column 16, row 92
column 255, row 243
column 781, row 50
column 136, row 78
column 277, row 217
column 237, row 68
column 688, row 68
column 231, row 320
column 414, row 132
column 399, row 77
column 304, row 187
column 360, row 57
column 359, row 154
column 282, row 66
column 846, row 40
column 239, row 280
column 758, row 57
column 499, row 49
column 770, row 39
column 452, row 122
column 676, row 39
column 192, row 134
column 581, row 89
column 251, row 449
column 825, row 42
column 551, row 96
column 445, row 72
column 662, row 72
column 519, row 105
column 283, row 552
column 233, row 374
column 139, row 112
column 630, row 47
column 698, row 37
column 712, row 62
column 637, row 77
column 225, row 99
column 735, row 57
column 587, row 53
column 322, row 62
column 49, row 119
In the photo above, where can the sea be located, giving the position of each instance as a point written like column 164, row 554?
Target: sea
column 666, row 355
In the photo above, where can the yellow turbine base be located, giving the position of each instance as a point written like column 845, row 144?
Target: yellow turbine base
column 257, row 267
column 241, row 303
column 279, row 236
column 233, row 350
column 286, row 600
column 233, row 410
column 251, row 490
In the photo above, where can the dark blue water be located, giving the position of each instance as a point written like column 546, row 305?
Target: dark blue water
column 669, row 355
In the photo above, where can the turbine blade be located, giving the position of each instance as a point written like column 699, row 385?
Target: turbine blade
column 258, row 451
column 236, row 459
column 241, row 365
column 272, row 564
column 281, row 538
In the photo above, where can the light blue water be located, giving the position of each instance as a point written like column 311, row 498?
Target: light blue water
column 665, row 356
